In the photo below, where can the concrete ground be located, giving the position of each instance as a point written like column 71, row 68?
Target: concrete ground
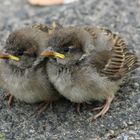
column 122, row 122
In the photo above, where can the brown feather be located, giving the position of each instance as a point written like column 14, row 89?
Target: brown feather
column 124, row 60
column 116, row 61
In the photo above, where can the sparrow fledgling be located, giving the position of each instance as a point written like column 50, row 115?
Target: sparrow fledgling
column 23, row 70
column 94, row 65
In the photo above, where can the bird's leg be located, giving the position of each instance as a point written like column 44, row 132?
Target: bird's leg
column 104, row 108
column 10, row 99
column 43, row 106
column 78, row 108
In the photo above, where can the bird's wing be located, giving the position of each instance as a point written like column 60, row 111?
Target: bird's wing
column 48, row 29
column 42, row 27
column 112, row 56
column 121, row 61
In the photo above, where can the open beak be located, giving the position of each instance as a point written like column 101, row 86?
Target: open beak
column 8, row 56
column 47, row 53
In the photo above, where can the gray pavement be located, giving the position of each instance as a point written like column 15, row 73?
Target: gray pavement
column 122, row 122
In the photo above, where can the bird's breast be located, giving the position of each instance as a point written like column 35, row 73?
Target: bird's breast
column 82, row 85
column 29, row 87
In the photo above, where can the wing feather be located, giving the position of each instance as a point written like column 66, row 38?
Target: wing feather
column 121, row 61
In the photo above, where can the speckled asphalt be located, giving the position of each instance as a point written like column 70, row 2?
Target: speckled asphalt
column 122, row 122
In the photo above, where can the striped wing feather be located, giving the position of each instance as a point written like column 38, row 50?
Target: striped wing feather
column 48, row 29
column 121, row 61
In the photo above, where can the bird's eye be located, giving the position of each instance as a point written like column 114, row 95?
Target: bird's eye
column 20, row 52
column 66, row 49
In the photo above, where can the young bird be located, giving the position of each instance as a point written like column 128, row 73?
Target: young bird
column 22, row 70
column 96, row 61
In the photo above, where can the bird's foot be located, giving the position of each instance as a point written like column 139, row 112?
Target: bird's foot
column 43, row 106
column 97, row 108
column 104, row 108
column 10, row 99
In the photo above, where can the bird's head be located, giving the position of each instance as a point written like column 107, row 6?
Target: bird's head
column 69, row 45
column 21, row 49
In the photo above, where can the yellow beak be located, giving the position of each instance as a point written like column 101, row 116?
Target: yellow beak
column 47, row 53
column 8, row 56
